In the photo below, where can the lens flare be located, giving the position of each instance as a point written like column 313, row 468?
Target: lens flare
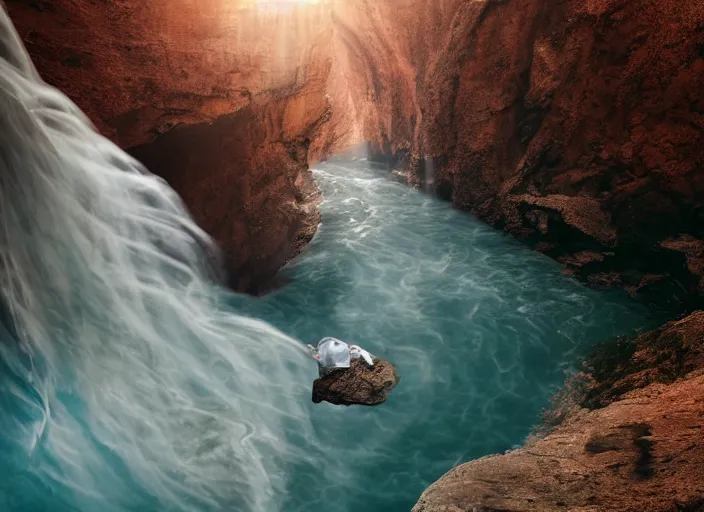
column 280, row 5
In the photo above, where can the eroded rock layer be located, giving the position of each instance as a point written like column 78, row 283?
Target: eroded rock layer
column 254, row 193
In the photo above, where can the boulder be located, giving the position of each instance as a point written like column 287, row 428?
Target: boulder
column 359, row 384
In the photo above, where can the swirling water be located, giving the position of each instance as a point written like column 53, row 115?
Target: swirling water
column 129, row 382
column 483, row 331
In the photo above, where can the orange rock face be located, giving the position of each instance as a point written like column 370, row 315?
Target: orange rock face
column 220, row 99
column 641, row 449
column 140, row 68
column 576, row 126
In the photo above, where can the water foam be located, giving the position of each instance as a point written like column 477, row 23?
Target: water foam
column 481, row 329
column 128, row 385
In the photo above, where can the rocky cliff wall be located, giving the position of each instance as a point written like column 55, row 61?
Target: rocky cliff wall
column 576, row 126
column 631, row 439
column 219, row 98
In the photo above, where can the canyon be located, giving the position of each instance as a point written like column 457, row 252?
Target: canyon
column 575, row 126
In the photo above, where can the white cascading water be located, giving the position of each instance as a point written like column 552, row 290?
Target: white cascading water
column 108, row 310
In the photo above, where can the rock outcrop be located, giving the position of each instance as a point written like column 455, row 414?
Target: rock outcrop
column 576, row 126
column 360, row 384
column 220, row 99
column 634, row 442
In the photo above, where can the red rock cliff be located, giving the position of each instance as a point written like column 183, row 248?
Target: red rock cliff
column 629, row 439
column 220, row 99
column 576, row 126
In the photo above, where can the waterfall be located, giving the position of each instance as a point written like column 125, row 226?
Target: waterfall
column 126, row 384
